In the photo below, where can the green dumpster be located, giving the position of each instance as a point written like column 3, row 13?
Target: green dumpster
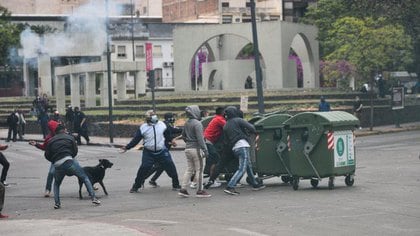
column 269, row 157
column 321, row 145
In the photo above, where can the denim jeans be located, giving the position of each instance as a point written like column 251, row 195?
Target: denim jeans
column 244, row 164
column 50, row 178
column 163, row 159
column 6, row 165
column 70, row 168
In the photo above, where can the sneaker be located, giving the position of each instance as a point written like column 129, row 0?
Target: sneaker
column 47, row 193
column 239, row 185
column 208, row 184
column 153, row 183
column 57, row 206
column 231, row 191
column 96, row 202
column 202, row 194
column 134, row 190
column 258, row 187
column 6, row 184
column 216, row 184
column 3, row 216
column 193, row 185
column 183, row 193
column 95, row 188
column 176, row 188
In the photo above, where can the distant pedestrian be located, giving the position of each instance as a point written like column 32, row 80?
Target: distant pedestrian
column 80, row 126
column 195, row 151
column 69, row 118
column 2, row 194
column 21, row 124
column 237, row 134
column 43, row 121
column 57, row 117
column 61, row 151
column 5, row 164
column 12, row 123
column 154, row 151
column 324, row 105
column 357, row 108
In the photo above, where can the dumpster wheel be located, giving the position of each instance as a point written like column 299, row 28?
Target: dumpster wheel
column 295, row 183
column 331, row 183
column 314, row 182
column 349, row 180
column 286, row 179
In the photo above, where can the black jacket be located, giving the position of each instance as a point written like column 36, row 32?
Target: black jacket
column 236, row 128
column 60, row 146
column 12, row 119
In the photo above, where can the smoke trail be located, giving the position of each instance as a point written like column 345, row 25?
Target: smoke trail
column 85, row 34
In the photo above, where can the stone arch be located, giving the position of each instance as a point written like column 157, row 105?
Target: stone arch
column 301, row 46
column 275, row 40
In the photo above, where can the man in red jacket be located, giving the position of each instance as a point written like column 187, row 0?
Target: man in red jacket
column 212, row 134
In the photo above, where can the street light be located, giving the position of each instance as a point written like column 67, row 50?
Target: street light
column 258, row 73
column 108, row 62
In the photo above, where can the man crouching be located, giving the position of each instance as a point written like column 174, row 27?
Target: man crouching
column 60, row 151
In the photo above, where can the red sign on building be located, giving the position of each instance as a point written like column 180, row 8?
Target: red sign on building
column 149, row 57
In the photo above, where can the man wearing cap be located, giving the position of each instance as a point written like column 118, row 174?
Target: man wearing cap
column 154, row 151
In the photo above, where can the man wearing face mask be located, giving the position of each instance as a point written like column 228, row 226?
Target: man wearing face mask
column 154, row 151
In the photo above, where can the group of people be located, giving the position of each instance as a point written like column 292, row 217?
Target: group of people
column 199, row 150
column 16, row 125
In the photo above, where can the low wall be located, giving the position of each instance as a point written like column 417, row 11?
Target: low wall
column 382, row 116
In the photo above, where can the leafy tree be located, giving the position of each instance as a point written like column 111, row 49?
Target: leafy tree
column 9, row 36
column 336, row 73
column 371, row 45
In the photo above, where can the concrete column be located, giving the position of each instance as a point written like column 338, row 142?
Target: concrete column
column 121, row 86
column 141, row 82
column 104, row 90
column 90, row 90
column 44, row 75
column 60, row 94
column 26, row 79
column 75, row 90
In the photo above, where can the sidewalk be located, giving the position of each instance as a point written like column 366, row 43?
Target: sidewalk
column 122, row 141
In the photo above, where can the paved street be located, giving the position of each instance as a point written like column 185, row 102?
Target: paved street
column 383, row 201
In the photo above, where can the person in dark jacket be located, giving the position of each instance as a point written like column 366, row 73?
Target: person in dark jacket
column 237, row 135
column 324, row 105
column 5, row 164
column 12, row 123
column 69, row 118
column 61, row 151
column 80, row 126
column 52, row 126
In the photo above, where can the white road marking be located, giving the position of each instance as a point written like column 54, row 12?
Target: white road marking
column 154, row 221
column 247, row 232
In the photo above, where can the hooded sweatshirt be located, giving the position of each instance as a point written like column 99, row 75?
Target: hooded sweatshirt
column 236, row 128
column 193, row 129
column 52, row 125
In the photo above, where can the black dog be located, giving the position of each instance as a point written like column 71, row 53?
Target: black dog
column 96, row 174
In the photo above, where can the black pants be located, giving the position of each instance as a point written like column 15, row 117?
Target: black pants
column 12, row 131
column 5, row 164
column 83, row 132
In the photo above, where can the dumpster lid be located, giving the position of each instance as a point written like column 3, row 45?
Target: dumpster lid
column 273, row 120
column 333, row 118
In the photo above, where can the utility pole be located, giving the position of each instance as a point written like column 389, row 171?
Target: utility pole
column 258, row 73
column 132, row 44
column 108, row 62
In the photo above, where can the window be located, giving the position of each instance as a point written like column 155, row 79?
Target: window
column 112, row 48
column 121, row 52
column 226, row 19
column 158, row 77
column 172, row 51
column 157, row 51
column 225, row 4
column 247, row 4
column 126, row 9
column 140, row 51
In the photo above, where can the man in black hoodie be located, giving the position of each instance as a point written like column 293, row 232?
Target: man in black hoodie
column 237, row 137
column 60, row 151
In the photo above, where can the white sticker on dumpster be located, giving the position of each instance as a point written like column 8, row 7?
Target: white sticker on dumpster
column 343, row 148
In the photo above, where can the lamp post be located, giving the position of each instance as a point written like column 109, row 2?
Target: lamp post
column 258, row 73
column 108, row 62
column 132, row 44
